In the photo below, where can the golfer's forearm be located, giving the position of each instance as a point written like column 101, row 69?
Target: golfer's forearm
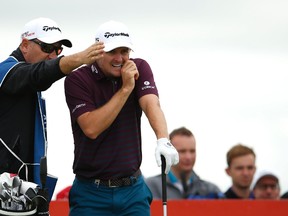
column 151, row 106
column 158, row 123
column 68, row 63
column 95, row 122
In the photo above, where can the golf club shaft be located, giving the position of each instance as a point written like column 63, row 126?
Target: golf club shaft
column 164, row 186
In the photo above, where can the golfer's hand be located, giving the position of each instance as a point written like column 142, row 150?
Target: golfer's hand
column 165, row 148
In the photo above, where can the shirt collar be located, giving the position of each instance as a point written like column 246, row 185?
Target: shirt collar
column 173, row 179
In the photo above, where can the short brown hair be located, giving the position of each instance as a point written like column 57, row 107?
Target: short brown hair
column 238, row 150
column 180, row 131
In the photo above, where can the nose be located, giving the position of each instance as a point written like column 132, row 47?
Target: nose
column 118, row 56
column 247, row 171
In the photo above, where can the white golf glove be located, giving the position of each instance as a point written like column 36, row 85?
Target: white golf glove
column 165, row 148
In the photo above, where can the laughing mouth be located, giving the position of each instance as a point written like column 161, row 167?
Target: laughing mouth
column 117, row 65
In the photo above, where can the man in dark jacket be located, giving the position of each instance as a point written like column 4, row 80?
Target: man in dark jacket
column 33, row 67
column 241, row 168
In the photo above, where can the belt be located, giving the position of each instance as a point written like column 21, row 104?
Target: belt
column 118, row 182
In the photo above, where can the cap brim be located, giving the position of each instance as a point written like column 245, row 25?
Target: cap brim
column 66, row 42
column 110, row 46
column 51, row 40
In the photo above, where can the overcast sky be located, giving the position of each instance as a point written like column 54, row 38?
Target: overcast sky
column 220, row 66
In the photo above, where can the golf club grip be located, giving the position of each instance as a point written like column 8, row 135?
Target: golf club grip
column 164, row 190
column 43, row 170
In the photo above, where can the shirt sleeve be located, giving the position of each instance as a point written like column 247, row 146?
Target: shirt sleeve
column 79, row 95
column 32, row 77
column 145, row 83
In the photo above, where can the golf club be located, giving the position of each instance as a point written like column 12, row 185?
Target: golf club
column 164, row 186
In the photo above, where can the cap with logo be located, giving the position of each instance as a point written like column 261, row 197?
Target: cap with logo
column 114, row 34
column 45, row 30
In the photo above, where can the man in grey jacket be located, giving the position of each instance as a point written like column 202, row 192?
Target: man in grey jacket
column 182, row 181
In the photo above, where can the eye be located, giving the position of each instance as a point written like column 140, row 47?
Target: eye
column 112, row 52
column 48, row 48
column 125, row 51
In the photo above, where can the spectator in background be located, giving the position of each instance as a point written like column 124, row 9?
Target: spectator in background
column 182, row 181
column 266, row 186
column 241, row 168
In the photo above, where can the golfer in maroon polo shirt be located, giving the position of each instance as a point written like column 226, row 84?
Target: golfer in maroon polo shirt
column 106, row 100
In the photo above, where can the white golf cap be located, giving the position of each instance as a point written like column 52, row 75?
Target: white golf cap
column 262, row 174
column 114, row 34
column 46, row 30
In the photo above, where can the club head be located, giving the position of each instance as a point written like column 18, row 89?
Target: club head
column 5, row 195
column 6, row 186
column 16, row 182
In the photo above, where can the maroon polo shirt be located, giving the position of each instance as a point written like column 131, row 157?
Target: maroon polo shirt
column 117, row 151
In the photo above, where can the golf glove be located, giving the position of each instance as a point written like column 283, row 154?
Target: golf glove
column 165, row 148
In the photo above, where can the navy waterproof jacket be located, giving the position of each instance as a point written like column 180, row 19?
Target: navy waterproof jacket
column 22, row 111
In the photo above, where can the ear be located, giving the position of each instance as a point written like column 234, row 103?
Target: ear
column 227, row 170
column 24, row 45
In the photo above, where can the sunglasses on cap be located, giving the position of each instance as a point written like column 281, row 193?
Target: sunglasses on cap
column 48, row 48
